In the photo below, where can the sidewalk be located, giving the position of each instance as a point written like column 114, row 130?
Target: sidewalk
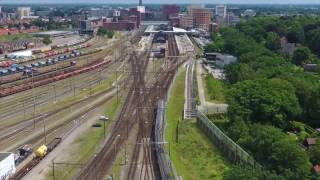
column 207, row 107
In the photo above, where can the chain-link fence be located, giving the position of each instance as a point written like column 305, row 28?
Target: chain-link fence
column 233, row 151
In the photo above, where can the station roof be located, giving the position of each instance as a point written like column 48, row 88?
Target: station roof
column 52, row 32
column 150, row 29
column 24, row 53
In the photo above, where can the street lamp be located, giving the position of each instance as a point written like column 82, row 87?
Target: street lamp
column 104, row 119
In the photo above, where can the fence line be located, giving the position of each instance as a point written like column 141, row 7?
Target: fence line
column 233, row 151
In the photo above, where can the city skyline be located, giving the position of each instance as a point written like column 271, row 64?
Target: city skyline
column 161, row 2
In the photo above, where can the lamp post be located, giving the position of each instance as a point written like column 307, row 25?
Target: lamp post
column 104, row 119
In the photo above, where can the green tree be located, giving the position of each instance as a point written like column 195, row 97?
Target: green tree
column 238, row 131
column 47, row 40
column 295, row 33
column 105, row 32
column 301, row 56
column 265, row 101
column 237, row 72
column 313, row 39
column 277, row 152
column 314, row 153
column 273, row 41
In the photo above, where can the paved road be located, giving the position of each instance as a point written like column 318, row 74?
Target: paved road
column 190, row 103
column 207, row 107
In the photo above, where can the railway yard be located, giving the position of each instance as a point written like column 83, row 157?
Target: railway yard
column 59, row 95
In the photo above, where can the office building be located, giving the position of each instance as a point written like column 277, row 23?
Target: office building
column 202, row 18
column 186, row 21
column 23, row 12
column 232, row 19
column 116, row 13
column 191, row 8
column 221, row 11
column 85, row 27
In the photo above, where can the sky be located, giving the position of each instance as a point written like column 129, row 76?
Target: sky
column 167, row 1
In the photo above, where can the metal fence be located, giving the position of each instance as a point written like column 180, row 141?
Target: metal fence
column 233, row 151
column 166, row 167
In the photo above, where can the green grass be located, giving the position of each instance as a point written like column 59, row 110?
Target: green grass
column 214, row 89
column 192, row 152
column 14, row 37
column 88, row 144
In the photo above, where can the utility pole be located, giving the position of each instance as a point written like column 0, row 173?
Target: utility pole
column 34, row 100
column 44, row 130
column 53, row 169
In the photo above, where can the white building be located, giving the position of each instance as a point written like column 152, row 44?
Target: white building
column 249, row 12
column 23, row 12
column 221, row 11
column 7, row 166
column 116, row 13
column 141, row 9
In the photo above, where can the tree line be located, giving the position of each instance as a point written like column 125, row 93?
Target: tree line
column 270, row 91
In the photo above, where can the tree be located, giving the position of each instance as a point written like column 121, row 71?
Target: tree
column 313, row 39
column 46, row 40
column 301, row 56
column 105, row 32
column 295, row 34
column 314, row 153
column 265, row 101
column 277, row 152
column 273, row 41
column 237, row 72
column 238, row 131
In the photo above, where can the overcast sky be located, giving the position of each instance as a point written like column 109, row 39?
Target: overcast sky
column 170, row 1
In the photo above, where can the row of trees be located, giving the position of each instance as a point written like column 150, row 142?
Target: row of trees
column 268, row 91
column 105, row 32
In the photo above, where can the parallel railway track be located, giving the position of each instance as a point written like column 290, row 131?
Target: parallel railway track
column 137, row 111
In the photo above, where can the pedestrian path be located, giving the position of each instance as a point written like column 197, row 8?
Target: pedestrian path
column 205, row 106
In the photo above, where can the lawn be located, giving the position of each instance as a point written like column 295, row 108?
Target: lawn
column 192, row 152
column 214, row 89
column 7, row 38
column 89, row 143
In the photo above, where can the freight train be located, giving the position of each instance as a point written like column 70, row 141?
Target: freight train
column 36, row 83
column 39, row 154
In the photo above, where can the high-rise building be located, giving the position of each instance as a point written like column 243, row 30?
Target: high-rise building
column 23, row 12
column 202, row 18
column 194, row 6
column 232, row 19
column 221, row 11
column 85, row 26
column 141, row 8
column 186, row 21
column 170, row 10
column 116, row 13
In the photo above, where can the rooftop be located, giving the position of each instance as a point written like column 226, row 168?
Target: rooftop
column 52, row 32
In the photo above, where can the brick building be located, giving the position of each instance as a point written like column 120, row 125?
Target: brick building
column 202, row 18
column 170, row 10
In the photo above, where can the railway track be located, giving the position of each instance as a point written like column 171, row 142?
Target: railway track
column 145, row 135
column 95, row 48
column 8, row 132
column 137, row 111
